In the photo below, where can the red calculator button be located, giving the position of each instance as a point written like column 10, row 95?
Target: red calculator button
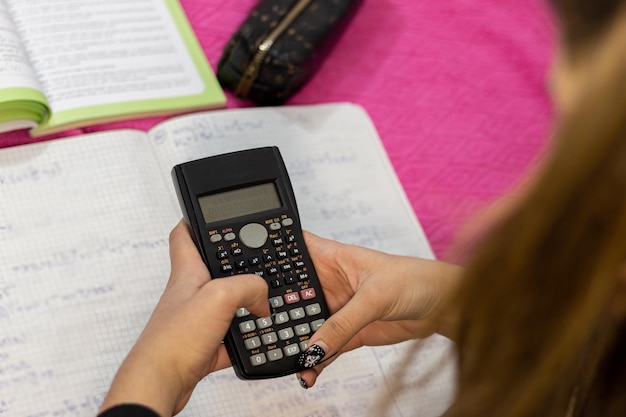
column 291, row 297
column 307, row 294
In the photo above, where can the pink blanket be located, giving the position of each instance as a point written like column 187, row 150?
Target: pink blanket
column 456, row 88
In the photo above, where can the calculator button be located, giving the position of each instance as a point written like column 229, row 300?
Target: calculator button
column 277, row 241
column 275, row 226
column 307, row 294
column 290, row 280
column 281, row 254
column 299, row 264
column 281, row 317
column 257, row 360
column 236, row 251
column 275, row 283
column 263, row 322
column 296, row 313
column 274, row 355
column 313, row 309
column 295, row 251
column 252, row 343
column 247, row 326
column 287, row 222
column 291, row 350
column 254, row 261
column 272, row 270
column 286, row 267
column 291, row 238
column 269, row 338
column 253, row 235
column 240, row 264
column 268, row 258
column 317, row 324
column 285, row 334
column 276, row 302
column 302, row 329
column 229, row 237
column 291, row 297
column 215, row 238
column 303, row 345
column 223, row 254
column 242, row 312
column 226, row 268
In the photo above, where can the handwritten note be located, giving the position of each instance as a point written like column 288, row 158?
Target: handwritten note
column 83, row 263
column 84, row 258
column 353, row 386
column 344, row 183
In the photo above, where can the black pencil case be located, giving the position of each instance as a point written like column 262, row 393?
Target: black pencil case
column 279, row 47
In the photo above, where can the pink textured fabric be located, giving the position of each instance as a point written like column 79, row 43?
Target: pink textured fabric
column 456, row 88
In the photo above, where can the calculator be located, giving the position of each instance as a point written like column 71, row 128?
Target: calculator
column 241, row 210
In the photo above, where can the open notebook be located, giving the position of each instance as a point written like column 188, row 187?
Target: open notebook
column 84, row 224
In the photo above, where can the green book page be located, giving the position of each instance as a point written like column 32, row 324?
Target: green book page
column 21, row 108
column 113, row 61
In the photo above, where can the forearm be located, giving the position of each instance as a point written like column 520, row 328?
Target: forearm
column 137, row 382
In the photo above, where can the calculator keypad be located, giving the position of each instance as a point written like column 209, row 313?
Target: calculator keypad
column 274, row 252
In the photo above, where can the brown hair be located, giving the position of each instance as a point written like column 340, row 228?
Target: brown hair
column 536, row 336
column 584, row 21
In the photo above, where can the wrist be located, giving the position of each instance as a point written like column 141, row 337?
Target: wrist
column 446, row 314
column 142, row 380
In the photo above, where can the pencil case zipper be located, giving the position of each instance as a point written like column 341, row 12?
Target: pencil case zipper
column 252, row 70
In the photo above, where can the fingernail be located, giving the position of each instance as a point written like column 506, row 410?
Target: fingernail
column 311, row 357
column 302, row 382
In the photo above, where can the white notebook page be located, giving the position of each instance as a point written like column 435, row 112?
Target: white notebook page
column 83, row 259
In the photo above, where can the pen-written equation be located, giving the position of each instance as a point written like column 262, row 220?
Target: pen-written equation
column 356, row 384
column 72, row 247
column 333, row 168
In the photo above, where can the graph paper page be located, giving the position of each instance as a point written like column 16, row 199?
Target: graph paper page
column 346, row 190
column 84, row 224
column 83, row 235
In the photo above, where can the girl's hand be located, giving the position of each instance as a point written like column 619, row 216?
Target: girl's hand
column 375, row 299
column 182, row 341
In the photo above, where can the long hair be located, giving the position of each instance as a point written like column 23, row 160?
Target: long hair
column 536, row 334
column 583, row 22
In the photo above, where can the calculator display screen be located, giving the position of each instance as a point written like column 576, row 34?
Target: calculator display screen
column 239, row 202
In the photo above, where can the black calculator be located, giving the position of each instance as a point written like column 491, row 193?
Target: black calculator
column 242, row 212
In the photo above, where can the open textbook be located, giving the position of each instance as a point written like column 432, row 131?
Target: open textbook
column 71, row 63
column 84, row 225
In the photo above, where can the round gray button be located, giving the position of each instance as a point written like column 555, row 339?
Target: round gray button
column 253, row 235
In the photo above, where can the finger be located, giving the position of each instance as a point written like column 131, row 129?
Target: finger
column 186, row 263
column 308, row 376
column 337, row 331
column 212, row 311
column 318, row 246
column 185, row 258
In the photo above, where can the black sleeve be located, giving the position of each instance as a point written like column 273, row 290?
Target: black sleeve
column 128, row 410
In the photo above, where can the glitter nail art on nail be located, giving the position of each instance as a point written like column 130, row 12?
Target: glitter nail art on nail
column 311, row 357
